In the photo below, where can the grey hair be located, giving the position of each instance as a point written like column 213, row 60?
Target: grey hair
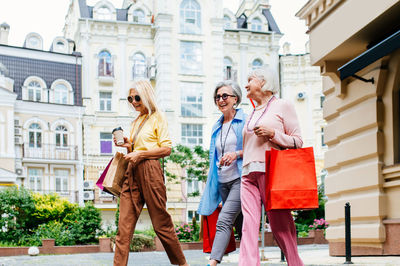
column 235, row 90
column 268, row 75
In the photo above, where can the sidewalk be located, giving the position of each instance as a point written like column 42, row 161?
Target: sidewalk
column 311, row 255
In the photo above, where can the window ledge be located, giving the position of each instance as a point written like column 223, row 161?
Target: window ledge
column 106, row 79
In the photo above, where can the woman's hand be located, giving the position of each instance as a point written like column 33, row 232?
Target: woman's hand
column 228, row 158
column 264, row 132
column 126, row 144
column 134, row 158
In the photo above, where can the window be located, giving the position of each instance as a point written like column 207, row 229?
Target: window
column 191, row 58
column 61, row 94
column 322, row 137
column 256, row 24
column 227, row 22
column 105, row 143
column 321, row 100
column 35, row 176
column 227, row 68
column 104, row 13
column 105, row 101
column 60, row 45
column 61, row 176
column 193, row 187
column 106, row 68
column 35, row 136
column 34, row 91
column 190, row 17
column 138, row 16
column 192, row 134
column 192, row 214
column 61, row 136
column 139, row 66
column 257, row 63
column 191, row 99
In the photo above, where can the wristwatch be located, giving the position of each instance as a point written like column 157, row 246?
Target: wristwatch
column 237, row 154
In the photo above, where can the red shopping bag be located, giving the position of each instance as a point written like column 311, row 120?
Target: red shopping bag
column 99, row 182
column 209, row 230
column 290, row 179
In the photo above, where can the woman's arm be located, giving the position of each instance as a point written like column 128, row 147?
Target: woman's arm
column 136, row 157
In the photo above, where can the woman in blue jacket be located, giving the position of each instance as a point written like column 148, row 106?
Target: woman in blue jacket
column 223, row 182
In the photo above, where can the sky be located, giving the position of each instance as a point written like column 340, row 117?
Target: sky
column 46, row 17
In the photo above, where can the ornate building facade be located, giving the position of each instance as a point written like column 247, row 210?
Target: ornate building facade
column 41, row 116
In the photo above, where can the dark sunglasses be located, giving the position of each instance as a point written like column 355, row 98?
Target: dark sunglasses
column 224, row 96
column 136, row 97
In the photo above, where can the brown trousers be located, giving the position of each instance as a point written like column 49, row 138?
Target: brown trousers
column 145, row 184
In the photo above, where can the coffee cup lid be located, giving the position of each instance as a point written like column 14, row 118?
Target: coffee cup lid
column 117, row 128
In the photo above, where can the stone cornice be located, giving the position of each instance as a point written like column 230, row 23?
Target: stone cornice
column 315, row 10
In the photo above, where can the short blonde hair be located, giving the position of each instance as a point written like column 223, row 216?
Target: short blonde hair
column 268, row 75
column 146, row 93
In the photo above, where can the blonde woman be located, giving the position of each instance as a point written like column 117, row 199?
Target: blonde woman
column 149, row 140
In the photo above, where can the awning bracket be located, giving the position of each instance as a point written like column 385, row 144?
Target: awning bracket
column 363, row 79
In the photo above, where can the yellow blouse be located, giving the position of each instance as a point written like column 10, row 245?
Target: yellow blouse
column 154, row 133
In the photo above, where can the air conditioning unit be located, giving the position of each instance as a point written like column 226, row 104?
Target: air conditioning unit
column 301, row 96
column 19, row 171
column 18, row 140
column 88, row 184
column 88, row 195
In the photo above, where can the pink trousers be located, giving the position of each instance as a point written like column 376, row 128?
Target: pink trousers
column 281, row 222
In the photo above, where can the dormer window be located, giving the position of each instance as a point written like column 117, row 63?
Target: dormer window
column 60, row 45
column 138, row 16
column 34, row 91
column 104, row 13
column 256, row 24
column 257, row 63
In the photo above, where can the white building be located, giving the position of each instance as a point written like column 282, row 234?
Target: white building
column 184, row 47
column 41, row 116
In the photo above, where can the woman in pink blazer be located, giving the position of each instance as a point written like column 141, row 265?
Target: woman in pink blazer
column 272, row 124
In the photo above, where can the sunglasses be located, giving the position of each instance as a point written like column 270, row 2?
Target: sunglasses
column 224, row 96
column 136, row 97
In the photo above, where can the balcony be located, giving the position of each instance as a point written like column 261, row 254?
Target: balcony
column 50, row 152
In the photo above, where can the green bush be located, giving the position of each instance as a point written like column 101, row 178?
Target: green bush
column 140, row 241
column 26, row 218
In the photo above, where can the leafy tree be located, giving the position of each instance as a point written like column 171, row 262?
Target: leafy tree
column 194, row 162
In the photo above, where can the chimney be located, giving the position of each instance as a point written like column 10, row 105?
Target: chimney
column 4, row 31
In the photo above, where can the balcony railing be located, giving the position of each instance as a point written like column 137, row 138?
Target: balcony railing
column 51, row 151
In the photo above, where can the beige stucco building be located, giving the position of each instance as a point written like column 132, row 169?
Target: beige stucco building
column 184, row 48
column 356, row 45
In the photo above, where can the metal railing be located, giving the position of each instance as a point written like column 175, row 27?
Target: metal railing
column 50, row 151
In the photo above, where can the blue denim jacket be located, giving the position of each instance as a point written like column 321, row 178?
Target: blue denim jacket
column 211, row 197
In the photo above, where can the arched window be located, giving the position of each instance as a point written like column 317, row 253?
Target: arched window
column 106, row 68
column 35, row 136
column 227, row 68
column 104, row 13
column 34, row 91
column 257, row 63
column 190, row 17
column 61, row 94
column 138, row 16
column 139, row 66
column 61, row 136
column 227, row 22
column 256, row 24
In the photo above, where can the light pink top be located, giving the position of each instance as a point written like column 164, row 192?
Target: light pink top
column 281, row 116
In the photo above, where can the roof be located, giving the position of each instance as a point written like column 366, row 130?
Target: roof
column 272, row 26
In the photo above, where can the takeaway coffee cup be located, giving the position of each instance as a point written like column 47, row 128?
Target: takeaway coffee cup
column 118, row 135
